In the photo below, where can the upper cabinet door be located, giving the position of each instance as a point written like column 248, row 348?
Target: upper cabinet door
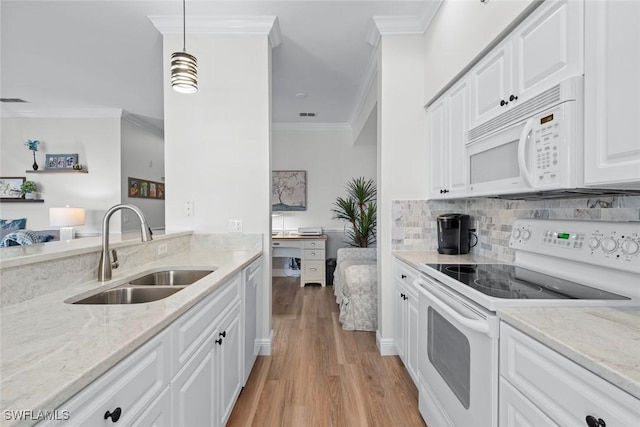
column 548, row 48
column 458, row 125
column 612, row 94
column 437, row 143
column 491, row 84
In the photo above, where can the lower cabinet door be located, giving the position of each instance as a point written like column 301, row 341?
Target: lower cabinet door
column 517, row 411
column 158, row 414
column 193, row 390
column 229, row 363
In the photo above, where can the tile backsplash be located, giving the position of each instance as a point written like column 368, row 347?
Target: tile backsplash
column 414, row 221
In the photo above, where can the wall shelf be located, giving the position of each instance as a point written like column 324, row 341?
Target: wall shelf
column 59, row 171
column 10, row 200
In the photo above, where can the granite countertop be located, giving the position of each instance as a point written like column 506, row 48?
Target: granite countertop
column 417, row 258
column 51, row 350
column 604, row 340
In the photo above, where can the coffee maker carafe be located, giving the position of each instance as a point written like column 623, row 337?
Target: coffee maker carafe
column 454, row 234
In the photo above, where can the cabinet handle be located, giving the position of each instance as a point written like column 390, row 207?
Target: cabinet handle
column 593, row 422
column 513, row 98
column 219, row 342
column 405, row 298
column 313, row 269
column 403, row 276
column 503, row 103
column 223, row 334
column 115, row 415
column 313, row 254
column 402, row 296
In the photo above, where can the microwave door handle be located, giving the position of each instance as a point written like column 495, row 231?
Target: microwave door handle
column 522, row 151
column 481, row 326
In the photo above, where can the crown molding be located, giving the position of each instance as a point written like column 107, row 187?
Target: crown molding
column 77, row 113
column 399, row 25
column 370, row 77
column 143, row 123
column 256, row 25
column 311, row 126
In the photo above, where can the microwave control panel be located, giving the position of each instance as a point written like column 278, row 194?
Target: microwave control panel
column 546, row 137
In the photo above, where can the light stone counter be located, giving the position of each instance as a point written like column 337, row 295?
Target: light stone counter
column 605, row 341
column 50, row 350
column 417, row 258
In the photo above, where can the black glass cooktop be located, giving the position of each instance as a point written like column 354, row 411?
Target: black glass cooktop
column 510, row 282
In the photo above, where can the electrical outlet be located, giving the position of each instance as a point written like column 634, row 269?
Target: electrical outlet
column 189, row 208
column 162, row 248
column 125, row 218
column 235, row 225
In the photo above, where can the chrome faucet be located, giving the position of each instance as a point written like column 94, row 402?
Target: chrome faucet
column 105, row 266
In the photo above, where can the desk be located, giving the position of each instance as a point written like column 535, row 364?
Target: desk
column 310, row 250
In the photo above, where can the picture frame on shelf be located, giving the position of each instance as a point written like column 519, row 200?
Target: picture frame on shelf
column 60, row 161
column 10, row 187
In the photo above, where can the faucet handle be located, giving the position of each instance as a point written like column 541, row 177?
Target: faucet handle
column 114, row 256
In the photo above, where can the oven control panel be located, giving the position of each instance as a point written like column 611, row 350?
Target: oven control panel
column 612, row 244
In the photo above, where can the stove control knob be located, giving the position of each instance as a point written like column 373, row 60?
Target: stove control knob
column 516, row 233
column 594, row 242
column 630, row 247
column 609, row 245
column 526, row 234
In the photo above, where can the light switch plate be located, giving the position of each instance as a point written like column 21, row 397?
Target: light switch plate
column 235, row 225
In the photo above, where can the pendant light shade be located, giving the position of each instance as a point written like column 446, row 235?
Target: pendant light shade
column 184, row 66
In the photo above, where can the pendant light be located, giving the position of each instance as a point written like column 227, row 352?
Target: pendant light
column 184, row 67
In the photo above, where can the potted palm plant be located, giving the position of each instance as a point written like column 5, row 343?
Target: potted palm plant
column 28, row 189
column 359, row 210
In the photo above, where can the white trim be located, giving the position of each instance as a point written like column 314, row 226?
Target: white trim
column 258, row 25
column 265, row 344
column 134, row 119
column 385, row 346
column 311, row 126
column 63, row 113
column 370, row 77
column 398, row 25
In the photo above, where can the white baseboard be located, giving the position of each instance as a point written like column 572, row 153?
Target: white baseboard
column 386, row 347
column 265, row 345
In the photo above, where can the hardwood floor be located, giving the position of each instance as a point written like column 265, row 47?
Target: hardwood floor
column 321, row 375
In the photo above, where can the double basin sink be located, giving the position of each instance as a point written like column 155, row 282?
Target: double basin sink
column 150, row 287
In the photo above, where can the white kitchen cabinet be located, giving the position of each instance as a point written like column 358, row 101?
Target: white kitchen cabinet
column 518, row 411
column 448, row 125
column 229, row 363
column 158, row 414
column 252, row 282
column 612, row 94
column 406, row 317
column 545, row 49
column 562, row 390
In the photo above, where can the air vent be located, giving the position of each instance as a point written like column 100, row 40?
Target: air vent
column 307, row 114
column 12, row 100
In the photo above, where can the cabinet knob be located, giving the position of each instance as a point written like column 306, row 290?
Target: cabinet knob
column 513, row 98
column 503, row 103
column 403, row 276
column 223, row 334
column 593, row 422
column 402, row 296
column 115, row 415
column 405, row 298
column 313, row 269
column 446, row 191
column 276, row 244
column 219, row 341
column 313, row 254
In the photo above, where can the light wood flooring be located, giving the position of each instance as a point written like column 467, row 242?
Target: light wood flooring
column 320, row 375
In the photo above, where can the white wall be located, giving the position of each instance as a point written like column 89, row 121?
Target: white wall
column 97, row 142
column 217, row 142
column 402, row 154
column 459, row 32
column 330, row 159
column 142, row 157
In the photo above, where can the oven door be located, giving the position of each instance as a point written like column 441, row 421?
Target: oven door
column 458, row 359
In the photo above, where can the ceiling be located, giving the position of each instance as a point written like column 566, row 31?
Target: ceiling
column 89, row 54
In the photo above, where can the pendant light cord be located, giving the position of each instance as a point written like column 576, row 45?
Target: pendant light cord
column 184, row 27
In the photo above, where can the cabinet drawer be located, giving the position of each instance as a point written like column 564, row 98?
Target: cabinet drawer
column 406, row 275
column 517, row 411
column 313, row 269
column 314, row 254
column 561, row 388
column 287, row 244
column 131, row 385
column 314, row 244
column 193, row 328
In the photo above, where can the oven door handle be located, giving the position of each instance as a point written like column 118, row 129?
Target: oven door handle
column 522, row 150
column 481, row 326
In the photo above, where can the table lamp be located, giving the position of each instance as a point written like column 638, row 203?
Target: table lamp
column 66, row 218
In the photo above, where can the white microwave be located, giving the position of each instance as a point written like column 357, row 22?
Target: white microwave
column 534, row 147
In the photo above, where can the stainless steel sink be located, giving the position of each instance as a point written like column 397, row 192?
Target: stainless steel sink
column 150, row 287
column 171, row 278
column 129, row 295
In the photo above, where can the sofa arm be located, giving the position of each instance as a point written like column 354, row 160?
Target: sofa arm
column 356, row 254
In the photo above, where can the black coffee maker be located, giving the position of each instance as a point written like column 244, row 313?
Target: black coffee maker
column 454, row 234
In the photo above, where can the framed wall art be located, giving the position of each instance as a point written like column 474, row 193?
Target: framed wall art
column 289, row 191
column 145, row 189
column 60, row 161
column 10, row 187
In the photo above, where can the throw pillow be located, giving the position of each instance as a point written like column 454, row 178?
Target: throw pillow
column 19, row 223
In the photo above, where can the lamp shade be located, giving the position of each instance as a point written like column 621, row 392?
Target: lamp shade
column 66, row 217
column 184, row 72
